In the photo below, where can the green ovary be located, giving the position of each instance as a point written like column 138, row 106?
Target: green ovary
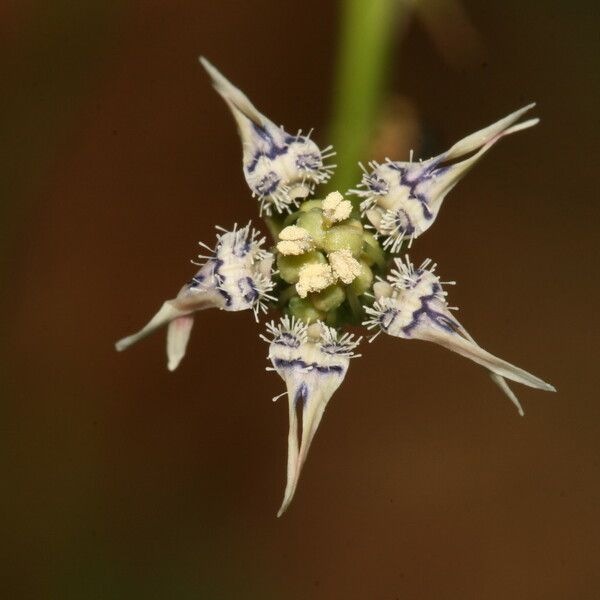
column 312, row 220
column 341, row 237
column 302, row 309
column 364, row 281
column 329, row 298
column 289, row 266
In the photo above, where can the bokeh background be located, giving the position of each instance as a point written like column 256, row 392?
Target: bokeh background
column 122, row 480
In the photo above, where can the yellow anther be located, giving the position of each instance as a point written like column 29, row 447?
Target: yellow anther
column 335, row 208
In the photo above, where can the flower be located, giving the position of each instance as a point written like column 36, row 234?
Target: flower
column 326, row 270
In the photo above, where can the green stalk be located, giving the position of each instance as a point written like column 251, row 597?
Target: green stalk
column 365, row 42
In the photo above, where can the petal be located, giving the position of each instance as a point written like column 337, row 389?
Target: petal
column 402, row 199
column 279, row 167
column 417, row 309
column 184, row 304
column 236, row 276
column 499, row 381
column 474, row 352
column 447, row 177
column 309, row 391
column 243, row 110
column 489, row 134
column 178, row 335
column 243, row 270
column 313, row 369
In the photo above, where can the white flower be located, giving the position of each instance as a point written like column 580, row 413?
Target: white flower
column 236, row 276
column 403, row 199
column 279, row 167
column 415, row 307
column 323, row 247
column 313, row 363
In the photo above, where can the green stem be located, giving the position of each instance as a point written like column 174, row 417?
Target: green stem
column 365, row 41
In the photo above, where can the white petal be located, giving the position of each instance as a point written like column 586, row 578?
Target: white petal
column 487, row 134
column 448, row 178
column 236, row 99
column 165, row 315
column 418, row 310
column 178, row 335
column 411, row 194
column 470, row 350
column 237, row 277
column 279, row 167
column 498, row 380
column 314, row 392
column 312, row 369
column 184, row 304
column 501, row 383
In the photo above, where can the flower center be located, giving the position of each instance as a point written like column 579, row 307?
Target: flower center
column 329, row 262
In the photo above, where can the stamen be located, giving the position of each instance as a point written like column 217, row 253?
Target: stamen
column 314, row 278
column 335, row 208
column 294, row 241
column 344, row 265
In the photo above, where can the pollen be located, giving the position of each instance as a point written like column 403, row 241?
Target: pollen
column 314, row 278
column 294, row 241
column 335, row 208
column 344, row 266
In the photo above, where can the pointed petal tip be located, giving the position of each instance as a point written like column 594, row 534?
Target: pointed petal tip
column 521, row 126
column 122, row 344
column 288, row 496
column 501, row 383
column 287, row 500
column 178, row 335
column 521, row 111
column 238, row 102
column 208, row 66
column 539, row 384
column 218, row 79
column 531, row 122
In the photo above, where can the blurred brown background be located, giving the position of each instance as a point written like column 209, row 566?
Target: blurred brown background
column 122, row 480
